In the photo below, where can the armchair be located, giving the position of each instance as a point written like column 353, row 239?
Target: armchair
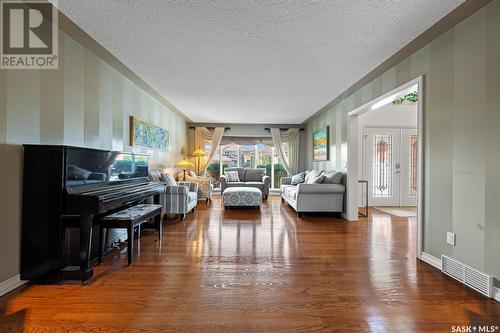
column 205, row 186
column 248, row 177
column 180, row 197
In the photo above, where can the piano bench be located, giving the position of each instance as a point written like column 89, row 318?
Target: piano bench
column 129, row 219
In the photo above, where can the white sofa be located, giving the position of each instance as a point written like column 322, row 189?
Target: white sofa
column 314, row 197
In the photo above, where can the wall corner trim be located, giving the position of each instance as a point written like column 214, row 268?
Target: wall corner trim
column 11, row 284
column 431, row 260
column 496, row 294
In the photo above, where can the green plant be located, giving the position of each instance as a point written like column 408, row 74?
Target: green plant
column 411, row 97
column 213, row 167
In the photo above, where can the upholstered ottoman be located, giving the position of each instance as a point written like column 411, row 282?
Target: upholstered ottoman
column 241, row 197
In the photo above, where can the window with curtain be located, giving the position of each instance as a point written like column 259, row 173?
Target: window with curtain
column 247, row 153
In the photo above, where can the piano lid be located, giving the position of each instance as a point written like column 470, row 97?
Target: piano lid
column 92, row 166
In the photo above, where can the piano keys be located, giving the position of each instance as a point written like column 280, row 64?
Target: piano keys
column 63, row 183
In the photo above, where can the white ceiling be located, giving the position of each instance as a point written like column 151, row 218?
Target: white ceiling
column 253, row 61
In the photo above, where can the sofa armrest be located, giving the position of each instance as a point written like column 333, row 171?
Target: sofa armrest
column 320, row 189
column 267, row 181
column 176, row 190
column 223, row 183
column 286, row 181
column 192, row 186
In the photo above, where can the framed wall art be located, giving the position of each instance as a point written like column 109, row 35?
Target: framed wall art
column 321, row 144
column 147, row 135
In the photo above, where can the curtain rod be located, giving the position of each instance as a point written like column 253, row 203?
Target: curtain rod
column 211, row 128
column 282, row 129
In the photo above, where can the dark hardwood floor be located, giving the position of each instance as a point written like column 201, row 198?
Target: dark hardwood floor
column 244, row 271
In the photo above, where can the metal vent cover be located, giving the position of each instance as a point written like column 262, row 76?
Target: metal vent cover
column 469, row 276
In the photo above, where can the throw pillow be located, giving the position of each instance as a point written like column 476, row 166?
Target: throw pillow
column 232, row 176
column 318, row 180
column 298, row 178
column 312, row 175
column 332, row 177
column 168, row 179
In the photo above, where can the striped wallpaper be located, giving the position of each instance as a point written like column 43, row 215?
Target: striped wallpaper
column 85, row 102
column 461, row 71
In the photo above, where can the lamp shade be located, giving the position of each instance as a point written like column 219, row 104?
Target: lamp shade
column 184, row 164
column 199, row 153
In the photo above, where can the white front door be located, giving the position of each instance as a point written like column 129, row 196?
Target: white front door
column 390, row 166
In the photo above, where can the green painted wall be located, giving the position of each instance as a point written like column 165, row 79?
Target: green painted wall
column 461, row 71
column 85, row 103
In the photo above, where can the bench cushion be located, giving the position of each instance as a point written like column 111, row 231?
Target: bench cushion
column 242, row 196
column 133, row 213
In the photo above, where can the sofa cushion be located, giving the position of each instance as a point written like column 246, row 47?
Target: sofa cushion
column 232, row 176
column 236, row 184
column 298, row 178
column 332, row 177
column 241, row 172
column 254, row 175
column 259, row 185
column 290, row 191
column 318, row 180
column 321, row 188
column 168, row 179
column 312, row 175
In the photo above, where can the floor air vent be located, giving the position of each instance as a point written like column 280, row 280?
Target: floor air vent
column 467, row 275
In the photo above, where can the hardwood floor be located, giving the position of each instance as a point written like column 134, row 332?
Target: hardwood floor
column 244, row 271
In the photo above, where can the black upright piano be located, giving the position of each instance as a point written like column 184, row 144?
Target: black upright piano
column 65, row 183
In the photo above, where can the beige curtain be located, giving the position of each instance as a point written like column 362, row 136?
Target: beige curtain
column 203, row 134
column 291, row 136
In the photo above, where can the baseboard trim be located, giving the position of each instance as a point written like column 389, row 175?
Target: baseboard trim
column 431, row 260
column 496, row 294
column 10, row 284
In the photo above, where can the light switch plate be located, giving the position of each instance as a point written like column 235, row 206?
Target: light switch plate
column 450, row 238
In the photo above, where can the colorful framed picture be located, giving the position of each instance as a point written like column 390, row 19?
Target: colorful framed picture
column 321, row 144
column 146, row 135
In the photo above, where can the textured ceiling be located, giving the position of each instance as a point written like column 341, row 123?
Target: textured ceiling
column 253, row 61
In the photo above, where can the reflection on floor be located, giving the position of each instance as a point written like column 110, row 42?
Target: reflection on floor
column 244, row 270
column 399, row 211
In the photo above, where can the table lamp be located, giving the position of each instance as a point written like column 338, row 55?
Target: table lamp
column 184, row 164
column 199, row 153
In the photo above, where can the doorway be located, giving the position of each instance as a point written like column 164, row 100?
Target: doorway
column 405, row 135
column 390, row 165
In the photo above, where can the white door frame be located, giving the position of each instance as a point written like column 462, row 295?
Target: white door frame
column 353, row 146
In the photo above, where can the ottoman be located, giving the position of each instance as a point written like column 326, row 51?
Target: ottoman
column 242, row 197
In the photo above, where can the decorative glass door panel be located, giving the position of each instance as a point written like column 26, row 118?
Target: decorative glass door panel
column 409, row 172
column 382, row 163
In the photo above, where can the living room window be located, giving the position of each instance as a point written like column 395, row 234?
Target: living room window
column 247, row 156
